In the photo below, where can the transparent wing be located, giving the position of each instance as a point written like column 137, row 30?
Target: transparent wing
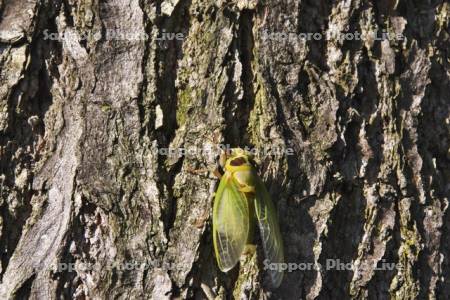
column 230, row 223
column 269, row 230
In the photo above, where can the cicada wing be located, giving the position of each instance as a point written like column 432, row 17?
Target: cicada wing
column 269, row 230
column 230, row 223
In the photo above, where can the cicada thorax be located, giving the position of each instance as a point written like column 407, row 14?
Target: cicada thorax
column 243, row 174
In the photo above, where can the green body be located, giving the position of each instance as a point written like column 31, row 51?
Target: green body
column 241, row 200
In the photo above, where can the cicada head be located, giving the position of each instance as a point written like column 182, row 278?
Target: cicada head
column 239, row 160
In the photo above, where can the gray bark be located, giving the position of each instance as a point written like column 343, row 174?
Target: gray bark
column 81, row 120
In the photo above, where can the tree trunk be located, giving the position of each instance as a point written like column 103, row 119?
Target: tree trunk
column 91, row 188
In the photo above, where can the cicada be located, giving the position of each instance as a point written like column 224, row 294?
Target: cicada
column 242, row 200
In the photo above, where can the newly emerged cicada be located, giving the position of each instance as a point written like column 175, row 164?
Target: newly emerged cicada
column 240, row 200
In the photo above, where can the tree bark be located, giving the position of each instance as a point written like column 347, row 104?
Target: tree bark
column 87, row 187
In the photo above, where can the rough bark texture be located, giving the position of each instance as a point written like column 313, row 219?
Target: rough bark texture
column 81, row 121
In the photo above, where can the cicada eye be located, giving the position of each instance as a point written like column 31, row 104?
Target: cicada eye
column 252, row 162
column 221, row 159
column 228, row 152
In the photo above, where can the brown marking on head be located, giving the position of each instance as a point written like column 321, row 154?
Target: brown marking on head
column 239, row 161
